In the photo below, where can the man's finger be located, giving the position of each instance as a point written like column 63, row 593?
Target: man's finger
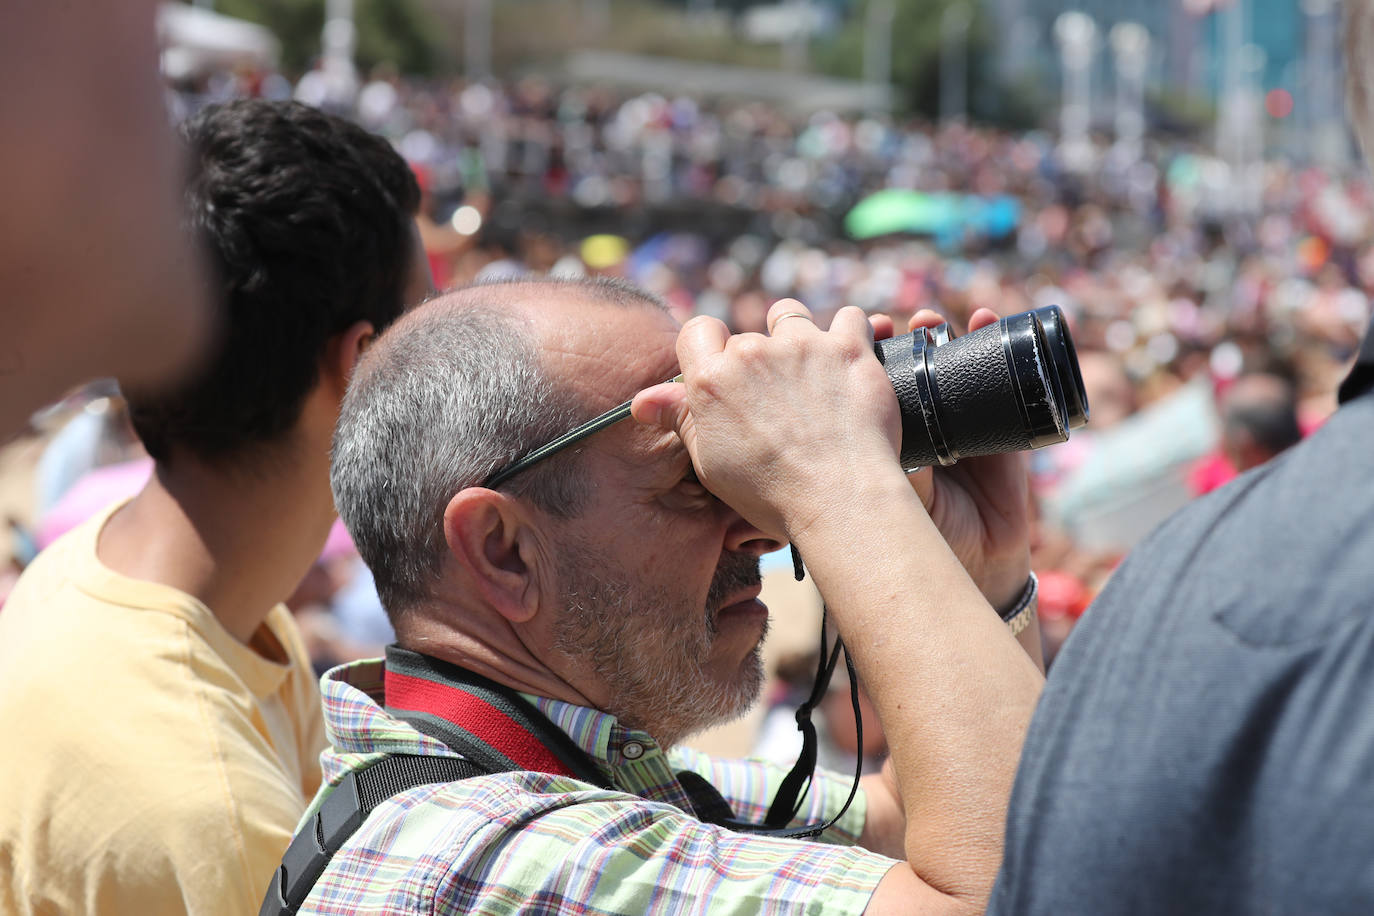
column 700, row 338
column 789, row 316
column 659, row 405
column 981, row 319
column 882, row 326
column 852, row 320
column 925, row 318
column 665, row 406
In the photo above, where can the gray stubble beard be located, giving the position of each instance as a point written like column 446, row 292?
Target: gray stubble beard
column 611, row 628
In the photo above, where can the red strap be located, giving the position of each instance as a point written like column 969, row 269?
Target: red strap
column 475, row 715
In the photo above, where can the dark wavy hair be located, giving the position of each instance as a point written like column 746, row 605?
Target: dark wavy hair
column 306, row 220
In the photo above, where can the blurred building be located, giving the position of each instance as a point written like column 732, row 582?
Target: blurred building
column 1293, row 44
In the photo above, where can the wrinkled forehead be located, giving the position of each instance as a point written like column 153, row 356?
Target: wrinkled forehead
column 605, row 354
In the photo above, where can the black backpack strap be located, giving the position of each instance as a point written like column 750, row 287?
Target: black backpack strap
column 707, row 802
column 343, row 812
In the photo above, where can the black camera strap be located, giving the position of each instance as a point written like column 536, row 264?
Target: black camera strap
column 787, row 803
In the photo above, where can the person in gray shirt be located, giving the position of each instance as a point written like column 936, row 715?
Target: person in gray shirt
column 1205, row 742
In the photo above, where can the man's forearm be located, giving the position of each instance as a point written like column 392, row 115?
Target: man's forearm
column 953, row 689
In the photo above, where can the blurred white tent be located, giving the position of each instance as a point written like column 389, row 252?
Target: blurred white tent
column 1136, row 474
column 196, row 41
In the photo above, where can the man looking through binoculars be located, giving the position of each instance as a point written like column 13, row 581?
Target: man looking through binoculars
column 614, row 590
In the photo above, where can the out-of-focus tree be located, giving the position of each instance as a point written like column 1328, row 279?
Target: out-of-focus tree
column 398, row 32
column 916, row 45
column 401, row 32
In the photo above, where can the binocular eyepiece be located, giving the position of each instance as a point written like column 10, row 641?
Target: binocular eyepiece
column 1010, row 386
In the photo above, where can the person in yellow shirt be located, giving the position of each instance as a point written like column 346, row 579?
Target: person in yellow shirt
column 161, row 724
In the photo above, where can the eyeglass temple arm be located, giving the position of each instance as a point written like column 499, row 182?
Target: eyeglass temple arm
column 575, row 435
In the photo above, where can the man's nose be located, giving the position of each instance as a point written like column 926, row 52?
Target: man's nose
column 743, row 537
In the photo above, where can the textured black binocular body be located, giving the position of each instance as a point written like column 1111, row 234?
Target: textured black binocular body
column 1010, row 386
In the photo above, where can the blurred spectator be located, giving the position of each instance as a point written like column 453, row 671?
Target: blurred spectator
column 175, row 743
column 337, row 608
column 98, row 434
column 1259, row 420
column 446, row 242
column 1259, row 417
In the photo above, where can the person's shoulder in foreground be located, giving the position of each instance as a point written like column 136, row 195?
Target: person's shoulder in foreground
column 1204, row 742
column 180, row 724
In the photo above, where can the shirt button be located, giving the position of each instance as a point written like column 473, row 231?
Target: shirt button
column 632, row 750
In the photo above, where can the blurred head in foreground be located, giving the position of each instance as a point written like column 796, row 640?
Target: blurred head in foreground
column 97, row 278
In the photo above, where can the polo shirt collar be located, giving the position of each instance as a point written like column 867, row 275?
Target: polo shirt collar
column 360, row 727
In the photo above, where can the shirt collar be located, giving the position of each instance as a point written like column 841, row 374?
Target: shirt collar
column 360, row 729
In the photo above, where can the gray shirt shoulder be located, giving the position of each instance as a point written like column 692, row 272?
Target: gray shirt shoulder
column 1205, row 742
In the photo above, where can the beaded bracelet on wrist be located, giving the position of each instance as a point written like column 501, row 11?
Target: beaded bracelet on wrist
column 1020, row 614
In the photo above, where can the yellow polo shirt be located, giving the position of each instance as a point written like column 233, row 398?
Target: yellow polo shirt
column 149, row 762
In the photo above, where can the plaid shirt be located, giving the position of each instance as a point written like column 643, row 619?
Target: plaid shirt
column 528, row 842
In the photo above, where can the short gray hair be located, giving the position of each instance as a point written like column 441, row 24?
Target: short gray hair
column 446, row 397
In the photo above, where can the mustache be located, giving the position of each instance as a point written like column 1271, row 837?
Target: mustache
column 737, row 571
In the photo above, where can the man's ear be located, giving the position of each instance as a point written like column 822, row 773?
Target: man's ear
column 495, row 543
column 344, row 351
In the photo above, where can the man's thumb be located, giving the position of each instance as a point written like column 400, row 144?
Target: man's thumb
column 665, row 406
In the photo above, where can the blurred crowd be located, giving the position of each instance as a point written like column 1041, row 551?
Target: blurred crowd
column 1178, row 277
column 1175, row 292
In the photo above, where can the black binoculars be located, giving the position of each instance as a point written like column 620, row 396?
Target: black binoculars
column 1010, row 386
